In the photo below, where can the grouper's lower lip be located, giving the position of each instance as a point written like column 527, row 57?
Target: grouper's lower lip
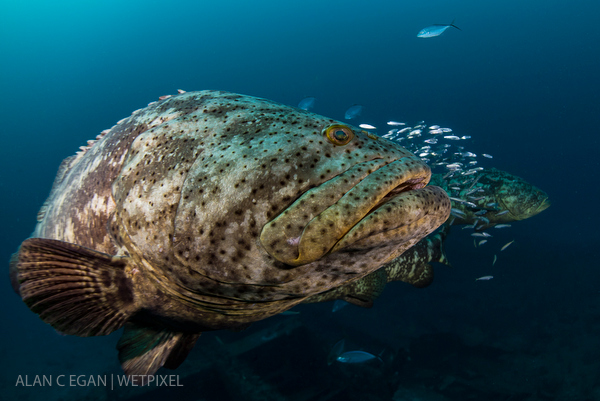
column 403, row 217
column 376, row 193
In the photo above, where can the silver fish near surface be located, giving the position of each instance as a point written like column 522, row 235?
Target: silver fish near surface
column 435, row 30
column 353, row 111
column 211, row 210
column 484, row 278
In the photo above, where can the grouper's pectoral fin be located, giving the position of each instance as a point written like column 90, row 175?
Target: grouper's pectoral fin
column 144, row 349
column 76, row 290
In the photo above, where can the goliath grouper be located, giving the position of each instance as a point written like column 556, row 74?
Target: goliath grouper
column 211, row 210
column 492, row 197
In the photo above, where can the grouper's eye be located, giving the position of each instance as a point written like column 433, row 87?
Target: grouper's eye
column 339, row 134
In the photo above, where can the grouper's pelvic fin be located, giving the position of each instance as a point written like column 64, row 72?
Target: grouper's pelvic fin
column 145, row 349
column 366, row 290
column 76, row 290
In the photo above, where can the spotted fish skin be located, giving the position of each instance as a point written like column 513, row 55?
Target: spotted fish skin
column 210, row 210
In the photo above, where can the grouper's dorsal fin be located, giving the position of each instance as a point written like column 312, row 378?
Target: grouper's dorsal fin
column 63, row 169
column 144, row 349
column 76, row 290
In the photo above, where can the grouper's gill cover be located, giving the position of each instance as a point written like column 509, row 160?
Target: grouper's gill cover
column 209, row 210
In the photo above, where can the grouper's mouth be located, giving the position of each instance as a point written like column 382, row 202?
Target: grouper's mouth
column 368, row 204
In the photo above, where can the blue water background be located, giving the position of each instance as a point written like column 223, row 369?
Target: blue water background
column 522, row 78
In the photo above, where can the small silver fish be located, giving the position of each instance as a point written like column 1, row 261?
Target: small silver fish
column 353, row 111
column 506, row 245
column 486, row 155
column 307, row 103
column 482, row 234
column 494, row 262
column 395, row 123
column 435, row 30
column 453, row 166
column 356, row 357
column 366, row 126
column 457, row 213
column 502, row 226
column 502, row 213
column 483, row 241
column 484, row 278
column 338, row 304
column 451, row 137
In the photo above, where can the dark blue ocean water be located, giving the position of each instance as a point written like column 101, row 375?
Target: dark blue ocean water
column 521, row 78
